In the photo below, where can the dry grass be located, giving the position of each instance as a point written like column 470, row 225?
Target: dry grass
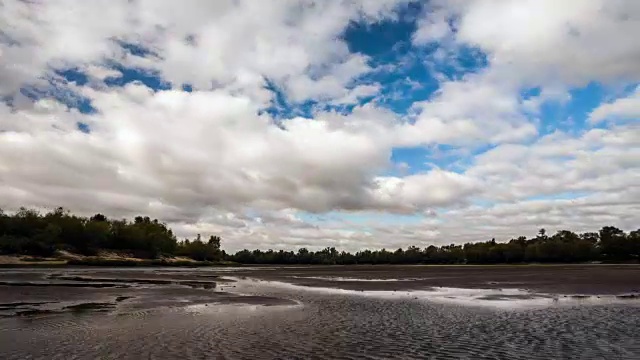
column 103, row 258
column 29, row 260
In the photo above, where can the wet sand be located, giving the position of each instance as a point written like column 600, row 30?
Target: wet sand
column 32, row 292
column 27, row 291
column 594, row 279
column 322, row 312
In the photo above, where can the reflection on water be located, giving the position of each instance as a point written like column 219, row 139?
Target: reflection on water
column 498, row 298
column 279, row 320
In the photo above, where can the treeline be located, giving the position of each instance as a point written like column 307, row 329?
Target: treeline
column 27, row 232
column 609, row 244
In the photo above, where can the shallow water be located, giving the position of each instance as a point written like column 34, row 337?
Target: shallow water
column 284, row 319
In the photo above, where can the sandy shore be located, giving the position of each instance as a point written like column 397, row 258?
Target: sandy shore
column 105, row 259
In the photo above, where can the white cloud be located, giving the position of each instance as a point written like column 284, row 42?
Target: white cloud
column 41, row 35
column 527, row 44
column 357, row 93
column 101, row 73
column 546, row 41
column 234, row 44
column 415, row 192
column 596, row 161
column 206, row 161
column 548, row 94
column 474, row 110
column 626, row 108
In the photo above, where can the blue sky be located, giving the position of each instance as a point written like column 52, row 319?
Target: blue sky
column 359, row 123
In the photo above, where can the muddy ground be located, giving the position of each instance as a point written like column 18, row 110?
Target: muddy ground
column 560, row 279
column 31, row 292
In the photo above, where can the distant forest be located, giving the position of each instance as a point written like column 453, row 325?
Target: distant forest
column 27, row 232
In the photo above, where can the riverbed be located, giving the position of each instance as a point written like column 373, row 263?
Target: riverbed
column 322, row 312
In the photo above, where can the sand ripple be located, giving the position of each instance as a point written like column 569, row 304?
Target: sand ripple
column 326, row 325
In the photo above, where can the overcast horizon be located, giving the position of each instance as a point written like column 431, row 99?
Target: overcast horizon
column 348, row 123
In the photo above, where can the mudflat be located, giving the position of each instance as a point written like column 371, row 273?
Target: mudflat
column 321, row 312
column 46, row 291
column 588, row 279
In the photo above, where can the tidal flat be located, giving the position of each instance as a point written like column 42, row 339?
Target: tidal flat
column 322, row 312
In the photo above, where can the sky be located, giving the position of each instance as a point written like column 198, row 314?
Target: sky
column 347, row 123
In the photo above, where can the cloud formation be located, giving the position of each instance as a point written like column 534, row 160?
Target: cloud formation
column 626, row 108
column 262, row 122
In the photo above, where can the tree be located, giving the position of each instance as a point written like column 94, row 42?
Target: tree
column 214, row 245
column 634, row 243
column 29, row 232
column 198, row 250
column 542, row 234
column 613, row 243
column 214, row 241
column 98, row 218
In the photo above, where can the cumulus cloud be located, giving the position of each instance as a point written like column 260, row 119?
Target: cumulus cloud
column 474, row 110
column 596, row 161
column 420, row 191
column 623, row 108
column 573, row 41
column 527, row 44
column 213, row 159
